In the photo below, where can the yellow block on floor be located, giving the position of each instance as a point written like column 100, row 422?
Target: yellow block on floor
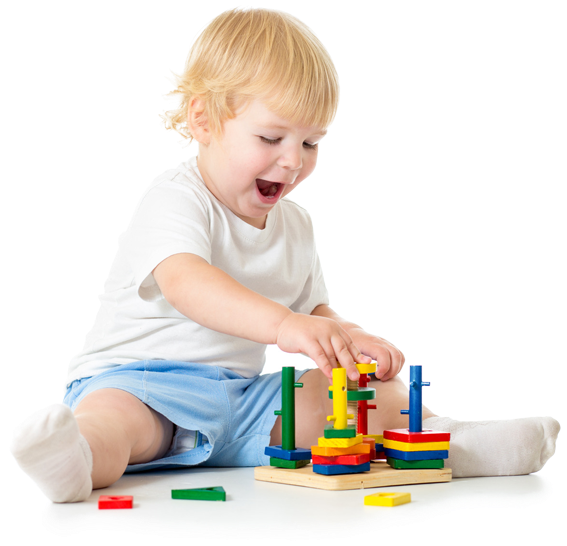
column 387, row 499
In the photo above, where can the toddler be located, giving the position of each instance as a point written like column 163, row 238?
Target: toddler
column 217, row 263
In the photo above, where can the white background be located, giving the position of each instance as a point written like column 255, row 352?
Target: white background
column 431, row 259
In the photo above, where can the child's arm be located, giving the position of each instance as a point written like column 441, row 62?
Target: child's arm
column 212, row 298
column 389, row 358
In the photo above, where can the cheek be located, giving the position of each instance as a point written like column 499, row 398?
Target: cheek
column 242, row 165
column 255, row 159
column 309, row 164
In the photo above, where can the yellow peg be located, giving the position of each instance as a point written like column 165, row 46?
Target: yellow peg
column 339, row 389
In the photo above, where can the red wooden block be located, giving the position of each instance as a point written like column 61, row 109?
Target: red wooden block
column 342, row 459
column 109, row 502
column 380, row 456
column 404, row 435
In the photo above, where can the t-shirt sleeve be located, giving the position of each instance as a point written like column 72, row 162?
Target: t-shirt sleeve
column 172, row 218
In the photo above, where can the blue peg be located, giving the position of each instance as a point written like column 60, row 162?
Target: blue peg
column 415, row 411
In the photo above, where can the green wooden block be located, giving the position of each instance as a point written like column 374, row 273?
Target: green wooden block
column 399, row 464
column 204, row 493
column 363, row 393
column 283, row 463
column 331, row 432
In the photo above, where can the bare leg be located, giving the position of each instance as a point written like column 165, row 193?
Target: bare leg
column 120, row 430
column 66, row 455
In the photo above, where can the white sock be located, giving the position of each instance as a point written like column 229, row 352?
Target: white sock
column 497, row 448
column 50, row 449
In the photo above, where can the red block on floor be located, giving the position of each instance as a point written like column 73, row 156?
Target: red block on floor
column 342, row 459
column 109, row 502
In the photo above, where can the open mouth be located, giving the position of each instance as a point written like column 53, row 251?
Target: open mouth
column 269, row 189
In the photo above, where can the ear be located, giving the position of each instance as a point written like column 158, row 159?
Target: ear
column 197, row 121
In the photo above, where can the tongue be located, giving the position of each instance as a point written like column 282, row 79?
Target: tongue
column 267, row 188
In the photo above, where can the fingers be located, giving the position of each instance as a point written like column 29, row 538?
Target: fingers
column 325, row 359
column 346, row 356
column 389, row 360
column 329, row 355
column 324, row 341
column 326, row 355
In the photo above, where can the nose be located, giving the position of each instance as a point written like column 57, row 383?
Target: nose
column 291, row 158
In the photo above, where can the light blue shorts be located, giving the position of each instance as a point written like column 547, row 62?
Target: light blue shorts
column 232, row 417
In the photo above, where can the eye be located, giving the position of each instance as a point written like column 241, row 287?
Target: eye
column 273, row 141
column 269, row 140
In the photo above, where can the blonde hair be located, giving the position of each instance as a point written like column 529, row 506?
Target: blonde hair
column 247, row 54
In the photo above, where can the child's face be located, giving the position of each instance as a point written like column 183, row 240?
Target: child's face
column 258, row 159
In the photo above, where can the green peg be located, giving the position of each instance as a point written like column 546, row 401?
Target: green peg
column 288, row 407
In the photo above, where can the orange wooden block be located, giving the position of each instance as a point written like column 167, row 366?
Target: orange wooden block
column 334, row 451
column 372, row 443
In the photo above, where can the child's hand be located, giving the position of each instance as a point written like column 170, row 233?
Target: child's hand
column 321, row 339
column 388, row 357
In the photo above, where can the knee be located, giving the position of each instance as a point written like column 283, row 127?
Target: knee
column 146, row 432
column 314, row 396
column 312, row 404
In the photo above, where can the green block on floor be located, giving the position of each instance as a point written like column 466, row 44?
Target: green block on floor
column 205, row 493
column 331, row 432
column 399, row 464
column 284, row 463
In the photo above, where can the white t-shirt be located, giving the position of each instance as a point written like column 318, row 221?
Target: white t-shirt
column 179, row 214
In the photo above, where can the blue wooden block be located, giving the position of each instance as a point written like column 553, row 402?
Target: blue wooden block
column 332, row 469
column 298, row 454
column 416, row 455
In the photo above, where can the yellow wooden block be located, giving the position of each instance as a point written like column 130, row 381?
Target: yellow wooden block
column 332, row 451
column 378, row 438
column 418, row 446
column 366, row 368
column 340, row 442
column 387, row 499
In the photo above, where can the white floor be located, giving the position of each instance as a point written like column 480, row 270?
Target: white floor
column 509, row 510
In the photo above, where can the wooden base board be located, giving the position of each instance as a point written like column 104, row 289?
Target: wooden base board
column 381, row 475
